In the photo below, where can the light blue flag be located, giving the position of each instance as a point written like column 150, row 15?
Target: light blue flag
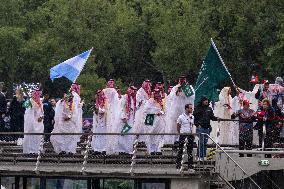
column 70, row 68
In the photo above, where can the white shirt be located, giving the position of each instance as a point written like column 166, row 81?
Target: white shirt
column 186, row 123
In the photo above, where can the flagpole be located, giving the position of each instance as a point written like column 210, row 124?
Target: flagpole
column 212, row 42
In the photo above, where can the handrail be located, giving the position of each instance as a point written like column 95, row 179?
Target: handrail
column 227, row 182
column 232, row 159
column 251, row 152
column 87, row 134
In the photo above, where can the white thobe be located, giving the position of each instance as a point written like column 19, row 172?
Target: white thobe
column 66, row 143
column 155, row 142
column 31, row 143
column 125, row 142
column 139, row 125
column 99, row 142
column 174, row 107
column 112, row 106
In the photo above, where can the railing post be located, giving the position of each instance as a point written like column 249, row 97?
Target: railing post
column 133, row 159
column 263, row 137
column 184, row 152
column 39, row 154
column 86, row 153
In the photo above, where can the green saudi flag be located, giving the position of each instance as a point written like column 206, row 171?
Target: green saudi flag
column 213, row 72
column 27, row 104
column 187, row 89
column 126, row 128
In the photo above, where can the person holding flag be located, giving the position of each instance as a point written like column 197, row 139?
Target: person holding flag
column 126, row 121
column 224, row 108
column 68, row 119
column 213, row 72
column 68, row 112
column 155, row 121
column 181, row 94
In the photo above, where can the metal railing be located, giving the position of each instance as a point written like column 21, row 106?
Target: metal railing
column 86, row 161
column 235, row 163
column 85, row 156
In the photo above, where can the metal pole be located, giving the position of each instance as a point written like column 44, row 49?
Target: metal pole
column 86, row 153
column 39, row 154
column 133, row 159
column 233, row 160
column 212, row 42
column 184, row 152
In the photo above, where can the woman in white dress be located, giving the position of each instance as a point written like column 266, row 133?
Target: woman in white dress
column 33, row 123
column 99, row 142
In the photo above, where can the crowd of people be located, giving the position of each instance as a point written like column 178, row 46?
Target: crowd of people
column 149, row 110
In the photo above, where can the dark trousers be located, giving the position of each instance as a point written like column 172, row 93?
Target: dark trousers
column 268, row 139
column 2, row 128
column 245, row 141
column 48, row 128
column 189, row 146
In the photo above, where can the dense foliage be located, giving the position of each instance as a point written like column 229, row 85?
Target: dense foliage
column 138, row 39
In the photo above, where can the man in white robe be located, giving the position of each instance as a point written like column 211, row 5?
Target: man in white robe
column 113, row 100
column 160, row 87
column 155, row 121
column 75, row 90
column 33, row 123
column 176, row 101
column 143, row 94
column 99, row 142
column 68, row 116
column 126, row 122
column 223, row 108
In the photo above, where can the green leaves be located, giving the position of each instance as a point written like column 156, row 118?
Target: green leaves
column 134, row 40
